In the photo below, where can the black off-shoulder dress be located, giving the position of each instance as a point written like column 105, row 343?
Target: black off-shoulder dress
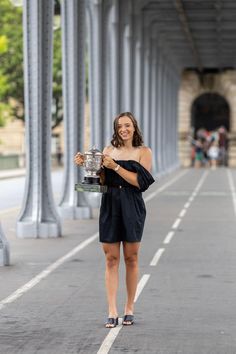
column 123, row 212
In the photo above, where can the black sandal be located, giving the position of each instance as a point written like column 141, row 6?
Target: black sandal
column 111, row 322
column 128, row 318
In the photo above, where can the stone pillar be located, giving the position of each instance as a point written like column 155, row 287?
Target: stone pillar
column 38, row 217
column 73, row 205
column 4, row 249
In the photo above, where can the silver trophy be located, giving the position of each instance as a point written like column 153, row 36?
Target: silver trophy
column 92, row 165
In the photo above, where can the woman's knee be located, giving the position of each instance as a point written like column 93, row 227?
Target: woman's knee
column 112, row 261
column 131, row 260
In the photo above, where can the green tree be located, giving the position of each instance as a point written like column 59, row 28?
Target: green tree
column 11, row 66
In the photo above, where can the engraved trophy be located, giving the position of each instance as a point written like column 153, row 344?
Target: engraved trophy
column 92, row 165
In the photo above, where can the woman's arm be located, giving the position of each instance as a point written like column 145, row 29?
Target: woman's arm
column 130, row 177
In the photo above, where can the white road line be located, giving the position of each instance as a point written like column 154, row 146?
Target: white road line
column 113, row 333
column 187, row 205
column 168, row 237
column 46, row 272
column 157, row 256
column 141, row 284
column 176, row 223
column 232, row 188
column 182, row 213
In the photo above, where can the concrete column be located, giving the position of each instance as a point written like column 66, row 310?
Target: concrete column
column 164, row 103
column 95, row 10
column 138, row 68
column 114, row 62
column 4, row 249
column 38, row 217
column 126, row 81
column 146, row 87
column 73, row 205
column 153, row 108
column 159, row 113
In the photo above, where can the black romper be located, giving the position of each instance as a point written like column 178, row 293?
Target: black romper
column 123, row 212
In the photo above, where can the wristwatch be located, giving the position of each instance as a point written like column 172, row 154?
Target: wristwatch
column 117, row 168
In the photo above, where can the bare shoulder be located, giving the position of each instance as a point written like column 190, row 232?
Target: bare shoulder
column 146, row 157
column 107, row 149
column 145, row 151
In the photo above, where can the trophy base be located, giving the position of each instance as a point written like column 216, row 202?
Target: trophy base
column 86, row 187
column 92, row 180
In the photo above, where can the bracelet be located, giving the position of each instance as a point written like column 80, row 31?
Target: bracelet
column 117, row 168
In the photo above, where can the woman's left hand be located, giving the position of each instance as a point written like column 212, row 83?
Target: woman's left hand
column 108, row 162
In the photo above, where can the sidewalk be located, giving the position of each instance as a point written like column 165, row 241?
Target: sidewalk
column 18, row 172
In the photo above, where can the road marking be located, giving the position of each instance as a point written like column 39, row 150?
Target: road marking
column 187, row 205
column 157, row 256
column 113, row 333
column 46, row 272
column 182, row 213
column 232, row 188
column 176, row 224
column 168, row 237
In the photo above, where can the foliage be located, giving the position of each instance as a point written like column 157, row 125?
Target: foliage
column 11, row 66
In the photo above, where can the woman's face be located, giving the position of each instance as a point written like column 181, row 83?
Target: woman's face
column 125, row 128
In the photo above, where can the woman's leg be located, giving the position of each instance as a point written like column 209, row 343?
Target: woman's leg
column 131, row 261
column 112, row 253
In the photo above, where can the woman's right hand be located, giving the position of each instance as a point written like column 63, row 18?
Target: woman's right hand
column 79, row 159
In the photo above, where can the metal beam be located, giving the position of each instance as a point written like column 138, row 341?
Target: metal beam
column 184, row 22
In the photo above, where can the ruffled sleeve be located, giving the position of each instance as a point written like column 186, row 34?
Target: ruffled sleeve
column 145, row 178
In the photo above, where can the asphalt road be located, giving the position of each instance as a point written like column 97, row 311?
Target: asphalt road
column 187, row 288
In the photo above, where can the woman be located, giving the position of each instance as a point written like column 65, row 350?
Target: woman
column 127, row 165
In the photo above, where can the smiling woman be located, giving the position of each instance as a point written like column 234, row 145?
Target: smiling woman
column 127, row 165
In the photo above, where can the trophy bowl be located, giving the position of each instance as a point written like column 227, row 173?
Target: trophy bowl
column 92, row 165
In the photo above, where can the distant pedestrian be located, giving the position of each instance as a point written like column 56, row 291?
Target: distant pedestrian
column 59, row 156
column 213, row 153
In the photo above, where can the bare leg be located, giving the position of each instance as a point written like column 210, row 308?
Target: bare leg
column 131, row 261
column 112, row 253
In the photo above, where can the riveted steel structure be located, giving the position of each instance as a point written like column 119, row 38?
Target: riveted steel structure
column 137, row 51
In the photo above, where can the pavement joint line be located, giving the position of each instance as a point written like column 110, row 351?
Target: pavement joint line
column 46, row 272
column 113, row 333
column 168, row 237
column 232, row 188
column 157, row 256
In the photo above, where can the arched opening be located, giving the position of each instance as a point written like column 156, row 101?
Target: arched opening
column 210, row 111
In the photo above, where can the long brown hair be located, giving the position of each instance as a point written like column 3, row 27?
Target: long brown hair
column 137, row 137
